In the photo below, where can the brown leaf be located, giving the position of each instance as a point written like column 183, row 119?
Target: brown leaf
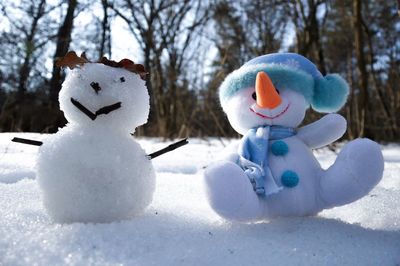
column 107, row 62
column 71, row 60
column 135, row 68
column 126, row 64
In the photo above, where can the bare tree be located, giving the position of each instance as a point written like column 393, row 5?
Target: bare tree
column 36, row 10
column 265, row 24
column 26, row 41
column 358, row 39
column 305, row 18
column 240, row 32
column 164, row 31
column 30, row 31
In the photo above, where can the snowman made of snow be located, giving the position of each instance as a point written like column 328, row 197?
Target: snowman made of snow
column 272, row 172
column 92, row 170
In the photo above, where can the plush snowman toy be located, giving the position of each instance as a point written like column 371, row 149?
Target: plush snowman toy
column 272, row 171
column 92, row 170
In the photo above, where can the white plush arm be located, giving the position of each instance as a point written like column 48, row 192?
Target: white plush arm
column 230, row 153
column 324, row 131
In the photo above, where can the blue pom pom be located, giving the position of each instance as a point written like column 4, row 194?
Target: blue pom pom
column 330, row 93
column 289, row 179
column 279, row 148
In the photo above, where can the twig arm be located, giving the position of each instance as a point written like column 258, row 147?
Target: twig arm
column 27, row 141
column 169, row 148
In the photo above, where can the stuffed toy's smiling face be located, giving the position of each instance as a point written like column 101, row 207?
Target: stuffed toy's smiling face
column 97, row 94
column 264, row 104
column 276, row 90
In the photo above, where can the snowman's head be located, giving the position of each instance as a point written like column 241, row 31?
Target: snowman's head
column 277, row 89
column 105, row 94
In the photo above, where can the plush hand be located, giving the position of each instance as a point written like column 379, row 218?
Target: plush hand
column 323, row 132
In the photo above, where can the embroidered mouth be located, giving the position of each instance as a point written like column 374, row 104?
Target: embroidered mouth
column 270, row 117
column 102, row 111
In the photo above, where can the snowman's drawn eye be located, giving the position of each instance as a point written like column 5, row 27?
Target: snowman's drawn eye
column 95, row 86
column 122, row 79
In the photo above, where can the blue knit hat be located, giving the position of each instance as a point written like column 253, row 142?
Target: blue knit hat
column 290, row 71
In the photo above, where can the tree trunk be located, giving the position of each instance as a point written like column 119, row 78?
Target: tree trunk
column 361, row 66
column 307, row 34
column 63, row 41
column 105, row 44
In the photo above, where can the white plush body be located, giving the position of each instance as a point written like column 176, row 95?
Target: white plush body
column 358, row 168
column 93, row 170
column 94, row 175
column 302, row 199
column 232, row 195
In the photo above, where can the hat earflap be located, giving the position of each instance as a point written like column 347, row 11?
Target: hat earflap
column 330, row 93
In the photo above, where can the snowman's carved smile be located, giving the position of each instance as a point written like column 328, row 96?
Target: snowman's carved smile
column 103, row 110
column 270, row 117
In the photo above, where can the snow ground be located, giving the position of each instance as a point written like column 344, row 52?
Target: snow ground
column 179, row 228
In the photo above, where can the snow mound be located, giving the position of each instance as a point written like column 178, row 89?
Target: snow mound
column 179, row 228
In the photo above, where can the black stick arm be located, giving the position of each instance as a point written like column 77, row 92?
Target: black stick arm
column 27, row 141
column 169, row 148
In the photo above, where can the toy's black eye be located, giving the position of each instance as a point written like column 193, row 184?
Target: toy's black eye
column 122, row 79
column 254, row 95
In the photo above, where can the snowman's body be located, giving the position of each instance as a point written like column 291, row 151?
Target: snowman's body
column 93, row 170
column 101, row 176
column 273, row 92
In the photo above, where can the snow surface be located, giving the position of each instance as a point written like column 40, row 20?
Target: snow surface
column 179, row 228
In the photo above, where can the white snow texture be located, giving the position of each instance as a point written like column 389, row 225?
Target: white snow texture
column 94, row 176
column 116, row 85
column 92, row 170
column 180, row 228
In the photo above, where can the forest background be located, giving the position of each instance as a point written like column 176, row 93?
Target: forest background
column 189, row 47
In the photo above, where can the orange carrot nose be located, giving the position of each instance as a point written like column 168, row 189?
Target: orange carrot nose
column 267, row 96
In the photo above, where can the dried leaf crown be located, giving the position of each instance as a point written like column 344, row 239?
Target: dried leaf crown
column 72, row 60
